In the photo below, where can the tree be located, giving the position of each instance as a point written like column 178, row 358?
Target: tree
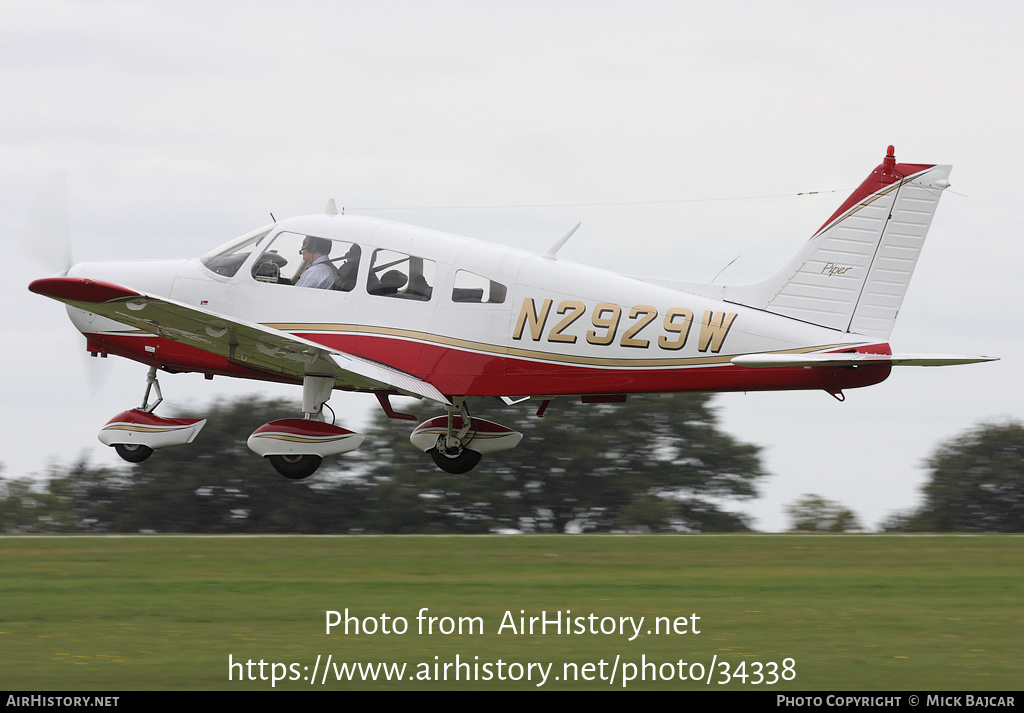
column 813, row 513
column 976, row 483
column 27, row 505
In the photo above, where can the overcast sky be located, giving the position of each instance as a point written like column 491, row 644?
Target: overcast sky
column 679, row 133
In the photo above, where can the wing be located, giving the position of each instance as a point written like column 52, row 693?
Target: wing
column 855, row 359
column 265, row 349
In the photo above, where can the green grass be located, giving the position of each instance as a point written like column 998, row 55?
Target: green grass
column 853, row 612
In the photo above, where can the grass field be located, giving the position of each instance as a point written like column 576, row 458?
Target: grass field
column 852, row 612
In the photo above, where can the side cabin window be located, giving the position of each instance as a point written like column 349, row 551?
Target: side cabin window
column 394, row 274
column 309, row 261
column 470, row 287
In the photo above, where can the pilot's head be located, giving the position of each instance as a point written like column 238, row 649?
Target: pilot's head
column 315, row 247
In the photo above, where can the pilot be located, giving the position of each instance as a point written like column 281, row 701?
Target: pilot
column 319, row 273
column 346, row 279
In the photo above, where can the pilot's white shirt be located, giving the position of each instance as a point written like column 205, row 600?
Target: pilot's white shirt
column 319, row 275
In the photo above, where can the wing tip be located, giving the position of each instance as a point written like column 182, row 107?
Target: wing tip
column 80, row 289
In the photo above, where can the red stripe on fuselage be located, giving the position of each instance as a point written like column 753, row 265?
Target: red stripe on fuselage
column 459, row 372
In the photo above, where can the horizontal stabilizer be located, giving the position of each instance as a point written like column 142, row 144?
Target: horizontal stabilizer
column 855, row 359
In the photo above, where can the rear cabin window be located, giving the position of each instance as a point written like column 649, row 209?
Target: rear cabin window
column 394, row 274
column 470, row 287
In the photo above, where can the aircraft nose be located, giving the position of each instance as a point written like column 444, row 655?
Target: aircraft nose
column 73, row 271
column 153, row 276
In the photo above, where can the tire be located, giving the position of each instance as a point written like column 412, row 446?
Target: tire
column 295, row 467
column 133, row 452
column 464, row 462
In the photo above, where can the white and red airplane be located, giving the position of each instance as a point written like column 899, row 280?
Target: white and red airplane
column 399, row 310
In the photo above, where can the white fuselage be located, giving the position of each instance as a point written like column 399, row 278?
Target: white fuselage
column 528, row 325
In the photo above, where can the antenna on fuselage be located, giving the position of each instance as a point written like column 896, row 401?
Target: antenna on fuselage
column 331, row 209
column 550, row 254
column 725, row 268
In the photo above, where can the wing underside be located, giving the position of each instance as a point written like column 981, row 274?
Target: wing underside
column 262, row 348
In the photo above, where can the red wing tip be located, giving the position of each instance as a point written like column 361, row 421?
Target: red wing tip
column 79, row 289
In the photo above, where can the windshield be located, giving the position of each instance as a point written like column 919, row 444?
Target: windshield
column 226, row 259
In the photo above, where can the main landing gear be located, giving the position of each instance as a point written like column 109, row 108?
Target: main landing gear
column 294, row 446
column 136, row 433
column 457, row 441
column 297, row 446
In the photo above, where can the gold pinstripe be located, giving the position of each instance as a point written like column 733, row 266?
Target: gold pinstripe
column 142, row 428
column 301, row 439
column 524, row 353
column 869, row 200
column 531, row 354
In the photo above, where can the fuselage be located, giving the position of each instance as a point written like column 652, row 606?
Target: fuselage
column 473, row 318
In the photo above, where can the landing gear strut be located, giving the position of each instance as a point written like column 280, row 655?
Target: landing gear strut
column 450, row 454
column 136, row 433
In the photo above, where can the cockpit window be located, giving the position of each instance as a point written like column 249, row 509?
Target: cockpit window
column 470, row 287
column 227, row 259
column 288, row 258
column 394, row 274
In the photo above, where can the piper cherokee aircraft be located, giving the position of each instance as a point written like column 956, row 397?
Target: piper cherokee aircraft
column 337, row 301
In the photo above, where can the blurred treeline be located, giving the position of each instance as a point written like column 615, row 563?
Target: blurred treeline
column 656, row 463
column 975, row 484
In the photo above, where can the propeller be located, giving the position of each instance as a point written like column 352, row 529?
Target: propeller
column 47, row 241
column 47, row 236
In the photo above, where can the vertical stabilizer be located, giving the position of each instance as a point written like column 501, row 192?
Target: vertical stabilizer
column 853, row 274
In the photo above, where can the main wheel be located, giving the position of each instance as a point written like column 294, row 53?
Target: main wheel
column 133, row 452
column 295, row 467
column 464, row 462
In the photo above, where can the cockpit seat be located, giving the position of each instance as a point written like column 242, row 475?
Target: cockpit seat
column 389, row 284
column 418, row 289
